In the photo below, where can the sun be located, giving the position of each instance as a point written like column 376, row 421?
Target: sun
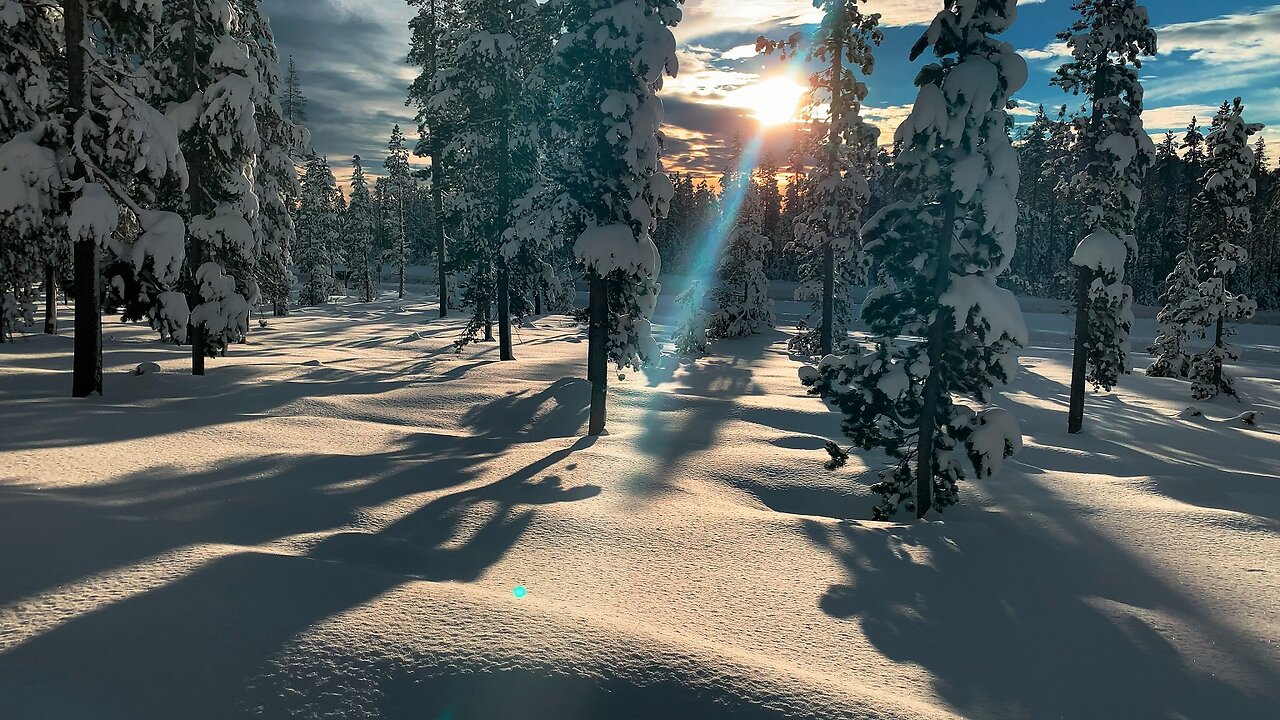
column 774, row 100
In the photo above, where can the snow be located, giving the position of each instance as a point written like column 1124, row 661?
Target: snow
column 1101, row 250
column 94, row 215
column 274, row 540
column 615, row 247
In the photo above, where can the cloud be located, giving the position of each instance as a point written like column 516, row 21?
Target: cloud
column 1247, row 38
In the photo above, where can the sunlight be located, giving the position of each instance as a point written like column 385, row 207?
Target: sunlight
column 774, row 100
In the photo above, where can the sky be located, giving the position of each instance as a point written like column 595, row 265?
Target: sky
column 350, row 55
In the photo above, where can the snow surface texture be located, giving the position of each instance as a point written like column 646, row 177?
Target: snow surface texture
column 341, row 538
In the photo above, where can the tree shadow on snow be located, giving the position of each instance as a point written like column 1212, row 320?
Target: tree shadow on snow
column 1013, row 619
column 196, row 642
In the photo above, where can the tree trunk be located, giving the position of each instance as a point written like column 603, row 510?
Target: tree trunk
column 50, row 301
column 488, row 319
column 86, row 376
column 437, row 209
column 504, row 314
column 504, row 275
column 826, row 337
column 537, row 301
column 401, row 245
column 598, row 352
column 933, row 384
column 1075, row 415
column 1217, row 343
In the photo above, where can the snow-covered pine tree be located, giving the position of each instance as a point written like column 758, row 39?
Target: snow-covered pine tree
column 83, row 165
column 690, row 336
column 211, row 87
column 1169, row 348
column 495, row 78
column 359, row 232
column 829, row 230
column 606, row 70
column 30, row 242
column 1107, row 45
column 741, row 296
column 275, row 178
column 398, row 172
column 939, row 251
column 317, row 238
column 436, row 121
column 1223, row 219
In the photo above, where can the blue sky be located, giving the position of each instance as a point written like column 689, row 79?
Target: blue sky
column 351, row 53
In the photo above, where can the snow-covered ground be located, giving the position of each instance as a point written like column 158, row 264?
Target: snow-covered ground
column 331, row 524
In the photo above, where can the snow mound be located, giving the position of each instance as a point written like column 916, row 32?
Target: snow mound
column 147, row 368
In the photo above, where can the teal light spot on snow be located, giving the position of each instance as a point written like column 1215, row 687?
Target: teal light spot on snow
column 520, row 591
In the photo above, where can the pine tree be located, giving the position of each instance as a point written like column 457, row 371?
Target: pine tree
column 292, row 102
column 830, row 229
column 690, row 336
column 398, row 172
column 211, row 85
column 86, row 166
column 495, row 78
column 606, row 69
column 436, row 121
column 741, row 297
column 1107, row 43
column 317, row 237
column 1170, row 344
column 939, row 250
column 1223, row 218
column 359, row 232
column 30, row 246
column 275, row 178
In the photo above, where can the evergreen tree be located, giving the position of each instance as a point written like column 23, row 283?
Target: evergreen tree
column 939, row 250
column 276, row 177
column 1223, row 215
column 211, row 85
column 741, row 297
column 830, row 229
column 30, row 245
column 1107, row 44
column 360, row 224
column 1170, row 343
column 436, row 121
column 495, row 77
column 398, row 173
column 317, row 235
column 292, row 102
column 607, row 68
column 690, row 336
column 86, row 167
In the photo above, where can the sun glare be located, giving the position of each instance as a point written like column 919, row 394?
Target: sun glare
column 775, row 100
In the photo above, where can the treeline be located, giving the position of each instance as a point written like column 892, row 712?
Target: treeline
column 1048, row 212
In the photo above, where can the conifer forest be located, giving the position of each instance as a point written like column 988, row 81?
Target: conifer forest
column 634, row 359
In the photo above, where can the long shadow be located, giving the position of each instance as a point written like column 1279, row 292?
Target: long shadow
column 683, row 422
column 197, row 643
column 559, row 410
column 1013, row 620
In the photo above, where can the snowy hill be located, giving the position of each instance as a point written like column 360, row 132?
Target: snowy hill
column 331, row 524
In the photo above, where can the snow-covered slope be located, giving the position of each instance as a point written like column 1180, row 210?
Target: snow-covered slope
column 332, row 521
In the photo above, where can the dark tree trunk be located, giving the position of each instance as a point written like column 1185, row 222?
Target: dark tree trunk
column 50, row 301
column 1217, row 362
column 401, row 241
column 504, row 274
column 1075, row 415
column 437, row 209
column 933, row 387
column 537, row 301
column 826, row 336
column 196, row 199
column 598, row 352
column 86, row 376
column 504, row 314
